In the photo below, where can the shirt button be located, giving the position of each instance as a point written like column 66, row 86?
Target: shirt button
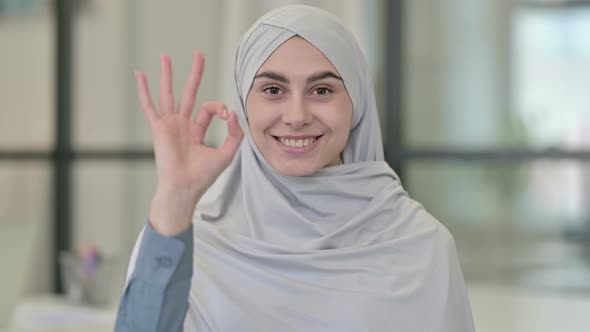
column 164, row 261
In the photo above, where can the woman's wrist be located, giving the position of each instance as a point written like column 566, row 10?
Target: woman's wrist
column 171, row 211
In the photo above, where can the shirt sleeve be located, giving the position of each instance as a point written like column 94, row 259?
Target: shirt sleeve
column 156, row 295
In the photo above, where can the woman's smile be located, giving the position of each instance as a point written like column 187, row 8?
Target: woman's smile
column 297, row 144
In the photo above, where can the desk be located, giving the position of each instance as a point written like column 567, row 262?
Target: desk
column 507, row 309
column 52, row 313
column 495, row 309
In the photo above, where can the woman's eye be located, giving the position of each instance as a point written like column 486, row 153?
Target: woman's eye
column 273, row 90
column 321, row 91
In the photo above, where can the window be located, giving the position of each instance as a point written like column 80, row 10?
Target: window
column 488, row 130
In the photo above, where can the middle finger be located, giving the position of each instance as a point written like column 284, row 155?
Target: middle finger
column 189, row 93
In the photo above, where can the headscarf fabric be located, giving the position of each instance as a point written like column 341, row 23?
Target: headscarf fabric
column 343, row 249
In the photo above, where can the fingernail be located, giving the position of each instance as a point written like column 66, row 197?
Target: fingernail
column 224, row 113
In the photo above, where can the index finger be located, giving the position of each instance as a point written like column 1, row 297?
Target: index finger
column 204, row 117
column 191, row 87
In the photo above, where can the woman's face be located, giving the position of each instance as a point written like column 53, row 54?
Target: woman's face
column 299, row 111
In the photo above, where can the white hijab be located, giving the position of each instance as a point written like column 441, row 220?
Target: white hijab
column 344, row 249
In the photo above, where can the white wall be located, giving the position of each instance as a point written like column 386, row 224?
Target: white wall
column 26, row 122
column 111, row 39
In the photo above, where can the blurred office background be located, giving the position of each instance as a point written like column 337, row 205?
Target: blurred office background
column 485, row 109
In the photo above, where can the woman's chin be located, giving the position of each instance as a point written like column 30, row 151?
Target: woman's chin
column 296, row 169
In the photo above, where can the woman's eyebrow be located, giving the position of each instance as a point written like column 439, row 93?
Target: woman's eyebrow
column 273, row 76
column 321, row 75
column 282, row 78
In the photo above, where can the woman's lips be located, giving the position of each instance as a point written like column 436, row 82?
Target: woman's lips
column 297, row 144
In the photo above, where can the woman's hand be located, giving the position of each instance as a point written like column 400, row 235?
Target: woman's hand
column 186, row 167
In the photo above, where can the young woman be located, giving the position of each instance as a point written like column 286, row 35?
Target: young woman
column 312, row 230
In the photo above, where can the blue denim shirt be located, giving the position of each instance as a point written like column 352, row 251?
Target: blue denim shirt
column 156, row 295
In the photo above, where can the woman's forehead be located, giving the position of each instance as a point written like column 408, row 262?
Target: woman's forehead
column 297, row 57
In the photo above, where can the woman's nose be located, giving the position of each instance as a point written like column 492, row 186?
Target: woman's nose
column 297, row 114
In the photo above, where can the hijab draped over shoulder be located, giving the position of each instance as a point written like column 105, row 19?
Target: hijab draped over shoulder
column 344, row 249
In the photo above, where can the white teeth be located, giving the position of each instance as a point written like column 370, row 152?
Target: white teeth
column 298, row 143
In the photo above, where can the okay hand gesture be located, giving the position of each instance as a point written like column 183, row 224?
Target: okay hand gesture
column 186, row 167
